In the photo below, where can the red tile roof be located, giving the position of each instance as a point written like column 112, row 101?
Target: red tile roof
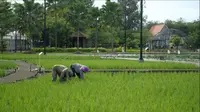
column 155, row 29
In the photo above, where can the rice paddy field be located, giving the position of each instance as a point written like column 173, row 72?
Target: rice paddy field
column 115, row 64
column 103, row 92
column 94, row 62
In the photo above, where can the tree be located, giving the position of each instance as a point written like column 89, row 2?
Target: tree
column 175, row 40
column 111, row 16
column 94, row 15
column 29, row 19
column 6, row 16
column 149, row 24
column 131, row 17
column 77, row 15
column 53, row 9
column 130, row 10
column 3, row 46
column 19, row 23
column 59, row 25
column 193, row 40
column 170, row 23
column 134, row 42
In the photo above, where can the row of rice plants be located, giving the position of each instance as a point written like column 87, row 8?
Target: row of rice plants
column 116, row 64
column 18, row 56
column 2, row 73
column 104, row 92
column 5, row 65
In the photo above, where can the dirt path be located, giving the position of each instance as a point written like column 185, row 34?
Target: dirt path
column 22, row 73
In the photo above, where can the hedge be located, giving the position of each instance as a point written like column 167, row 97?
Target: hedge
column 72, row 50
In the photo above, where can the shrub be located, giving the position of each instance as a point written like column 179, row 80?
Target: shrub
column 83, row 50
column 3, row 45
column 70, row 50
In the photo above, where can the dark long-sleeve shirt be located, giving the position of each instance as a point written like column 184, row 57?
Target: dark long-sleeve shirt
column 76, row 69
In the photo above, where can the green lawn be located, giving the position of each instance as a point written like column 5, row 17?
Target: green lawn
column 102, row 92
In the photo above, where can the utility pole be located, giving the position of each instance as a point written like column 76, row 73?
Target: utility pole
column 15, row 41
column 141, row 23
column 44, row 32
column 96, row 33
column 125, row 14
column 78, row 39
column 56, row 42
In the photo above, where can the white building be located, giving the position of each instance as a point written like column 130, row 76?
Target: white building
column 13, row 40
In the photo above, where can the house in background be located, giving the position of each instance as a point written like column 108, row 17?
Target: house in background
column 14, row 42
column 161, row 36
column 83, row 41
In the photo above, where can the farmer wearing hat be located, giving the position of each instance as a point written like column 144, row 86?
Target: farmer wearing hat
column 79, row 69
column 62, row 71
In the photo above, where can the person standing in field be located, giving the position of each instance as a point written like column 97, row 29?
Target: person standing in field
column 79, row 70
column 62, row 71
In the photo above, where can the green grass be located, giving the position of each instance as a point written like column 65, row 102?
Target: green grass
column 116, row 64
column 19, row 56
column 100, row 92
column 94, row 62
column 2, row 73
column 6, row 65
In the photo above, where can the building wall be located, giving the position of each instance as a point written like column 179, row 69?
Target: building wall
column 13, row 38
column 11, row 45
column 161, row 40
column 82, row 42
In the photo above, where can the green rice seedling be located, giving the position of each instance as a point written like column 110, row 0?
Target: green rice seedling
column 99, row 92
column 117, row 64
column 2, row 73
column 7, row 65
column 18, row 56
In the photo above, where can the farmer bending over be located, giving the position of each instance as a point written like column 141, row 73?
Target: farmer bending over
column 79, row 69
column 62, row 71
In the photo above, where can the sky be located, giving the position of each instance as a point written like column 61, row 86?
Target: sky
column 160, row 10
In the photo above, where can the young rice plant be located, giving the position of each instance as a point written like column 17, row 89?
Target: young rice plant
column 104, row 92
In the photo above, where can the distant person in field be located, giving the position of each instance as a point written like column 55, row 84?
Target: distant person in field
column 79, row 70
column 62, row 71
